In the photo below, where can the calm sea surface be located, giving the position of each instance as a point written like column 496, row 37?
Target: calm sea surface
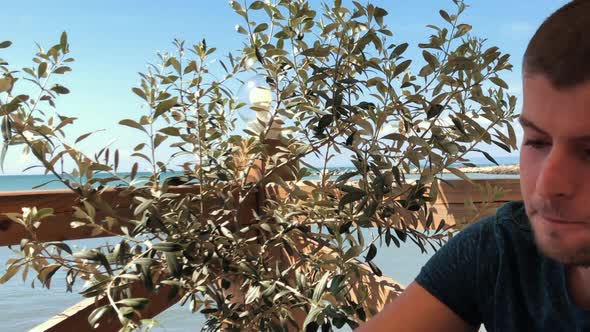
column 22, row 308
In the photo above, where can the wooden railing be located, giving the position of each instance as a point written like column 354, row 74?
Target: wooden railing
column 449, row 206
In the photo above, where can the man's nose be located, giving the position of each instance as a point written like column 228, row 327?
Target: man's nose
column 557, row 176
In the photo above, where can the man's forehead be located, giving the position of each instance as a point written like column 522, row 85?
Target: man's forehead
column 554, row 112
column 540, row 83
column 577, row 136
column 539, row 95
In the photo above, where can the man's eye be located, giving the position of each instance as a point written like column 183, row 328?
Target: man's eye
column 536, row 144
column 585, row 154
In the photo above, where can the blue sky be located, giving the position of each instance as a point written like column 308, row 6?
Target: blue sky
column 113, row 40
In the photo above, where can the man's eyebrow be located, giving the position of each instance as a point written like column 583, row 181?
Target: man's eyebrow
column 529, row 124
column 525, row 123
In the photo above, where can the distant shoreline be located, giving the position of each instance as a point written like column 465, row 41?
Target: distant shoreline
column 502, row 169
column 512, row 169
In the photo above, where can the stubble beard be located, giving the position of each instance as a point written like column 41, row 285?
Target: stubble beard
column 579, row 258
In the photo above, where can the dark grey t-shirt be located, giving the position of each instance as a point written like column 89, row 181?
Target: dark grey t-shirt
column 492, row 273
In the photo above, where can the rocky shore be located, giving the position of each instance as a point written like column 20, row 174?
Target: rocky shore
column 502, row 169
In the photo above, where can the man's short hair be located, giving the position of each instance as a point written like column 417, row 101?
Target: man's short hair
column 560, row 49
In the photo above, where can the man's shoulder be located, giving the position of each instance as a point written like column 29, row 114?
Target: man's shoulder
column 485, row 240
column 513, row 214
column 509, row 222
column 501, row 237
column 464, row 272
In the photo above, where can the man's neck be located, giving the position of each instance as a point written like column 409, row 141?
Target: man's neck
column 578, row 279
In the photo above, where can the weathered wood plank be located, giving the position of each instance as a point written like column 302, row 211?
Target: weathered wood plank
column 75, row 318
column 57, row 228
column 458, row 190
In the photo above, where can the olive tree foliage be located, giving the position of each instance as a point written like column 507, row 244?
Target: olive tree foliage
column 340, row 86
